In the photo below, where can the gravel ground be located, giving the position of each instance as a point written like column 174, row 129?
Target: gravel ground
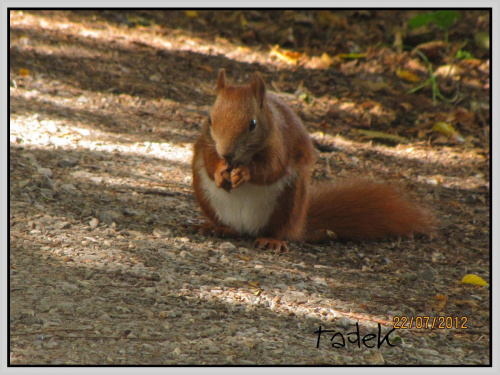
column 106, row 268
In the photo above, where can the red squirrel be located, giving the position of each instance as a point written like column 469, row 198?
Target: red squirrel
column 251, row 176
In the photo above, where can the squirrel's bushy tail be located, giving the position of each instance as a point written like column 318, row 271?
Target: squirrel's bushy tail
column 361, row 209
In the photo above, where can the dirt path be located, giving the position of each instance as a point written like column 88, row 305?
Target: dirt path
column 104, row 265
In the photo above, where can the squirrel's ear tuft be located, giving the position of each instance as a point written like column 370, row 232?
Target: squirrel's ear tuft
column 259, row 88
column 221, row 80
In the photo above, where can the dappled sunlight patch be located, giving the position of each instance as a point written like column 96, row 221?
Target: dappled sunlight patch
column 30, row 131
column 447, row 156
column 106, row 32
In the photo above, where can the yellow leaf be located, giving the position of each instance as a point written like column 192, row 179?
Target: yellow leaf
column 24, row 72
column 191, row 13
column 444, row 128
column 375, row 86
column 287, row 56
column 371, row 134
column 243, row 21
column 407, row 75
column 352, row 55
column 326, row 58
column 474, row 279
column 448, row 130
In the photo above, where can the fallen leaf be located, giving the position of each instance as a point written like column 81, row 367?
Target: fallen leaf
column 24, row 72
column 351, row 55
column 474, row 279
column 191, row 13
column 243, row 21
column 289, row 57
column 447, row 129
column 375, row 86
column 431, row 49
column 482, row 40
column 407, row 75
column 464, row 117
column 371, row 134
column 208, row 68
column 407, row 106
column 442, row 299
column 449, row 71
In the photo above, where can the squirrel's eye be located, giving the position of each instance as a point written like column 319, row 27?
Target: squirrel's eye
column 210, row 120
column 252, row 125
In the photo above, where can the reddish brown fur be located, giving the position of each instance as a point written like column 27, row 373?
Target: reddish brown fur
column 280, row 145
column 363, row 209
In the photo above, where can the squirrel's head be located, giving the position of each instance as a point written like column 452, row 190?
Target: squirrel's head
column 238, row 121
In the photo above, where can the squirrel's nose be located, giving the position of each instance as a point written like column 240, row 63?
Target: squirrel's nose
column 228, row 158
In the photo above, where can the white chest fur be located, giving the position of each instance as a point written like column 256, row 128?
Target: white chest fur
column 246, row 209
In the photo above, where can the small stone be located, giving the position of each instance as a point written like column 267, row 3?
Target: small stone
column 105, row 317
column 23, row 183
column 410, row 276
column 214, row 315
column 109, row 216
column 427, row 274
column 155, row 78
column 94, row 223
column 46, row 182
column 50, row 345
column 64, row 225
column 376, row 359
column 281, row 286
column 162, row 233
column 44, row 306
column 47, row 193
column 68, row 187
column 96, row 180
column 227, row 246
column 345, row 322
column 30, row 320
column 31, row 158
column 147, row 347
column 428, row 352
column 300, row 265
column 129, row 212
column 67, row 163
column 45, row 172
column 69, row 287
column 81, row 174
column 320, row 280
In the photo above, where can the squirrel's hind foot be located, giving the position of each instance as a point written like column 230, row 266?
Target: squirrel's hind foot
column 271, row 244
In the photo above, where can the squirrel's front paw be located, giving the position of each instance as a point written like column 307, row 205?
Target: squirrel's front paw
column 239, row 176
column 222, row 175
